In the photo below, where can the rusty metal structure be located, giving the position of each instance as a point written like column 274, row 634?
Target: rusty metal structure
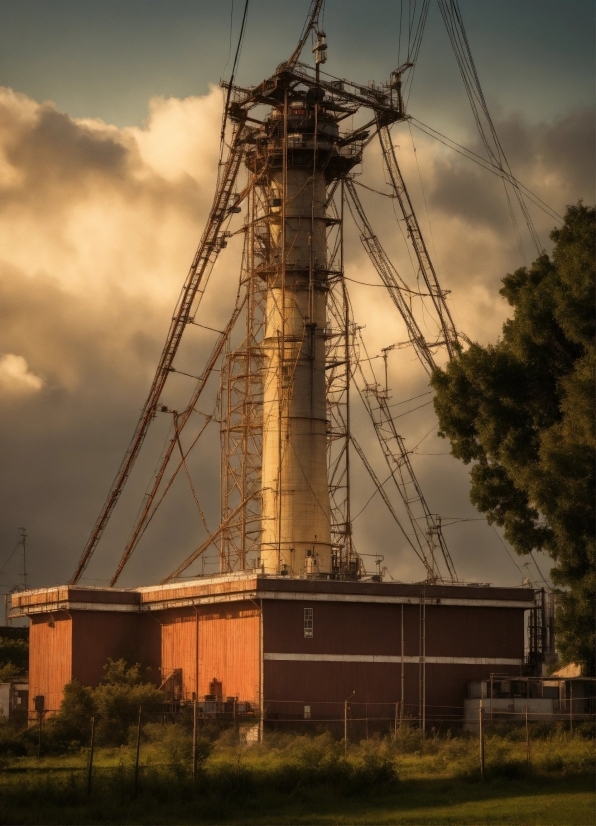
column 286, row 386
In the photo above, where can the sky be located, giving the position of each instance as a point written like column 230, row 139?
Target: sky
column 109, row 125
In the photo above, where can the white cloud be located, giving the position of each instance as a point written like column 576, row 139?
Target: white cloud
column 15, row 376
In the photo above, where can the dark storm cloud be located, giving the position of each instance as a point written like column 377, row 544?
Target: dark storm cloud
column 555, row 160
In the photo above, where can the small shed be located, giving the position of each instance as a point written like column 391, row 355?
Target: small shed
column 14, row 699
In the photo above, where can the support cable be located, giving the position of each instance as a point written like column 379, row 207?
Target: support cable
column 452, row 17
column 390, row 277
column 480, row 161
column 387, row 501
column 145, row 516
column 426, row 268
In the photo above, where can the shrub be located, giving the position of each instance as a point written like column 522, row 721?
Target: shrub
column 14, row 658
column 175, row 743
column 118, row 699
column 72, row 725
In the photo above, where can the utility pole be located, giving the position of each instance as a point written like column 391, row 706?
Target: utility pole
column 24, row 546
column 137, row 754
column 91, row 751
column 194, row 737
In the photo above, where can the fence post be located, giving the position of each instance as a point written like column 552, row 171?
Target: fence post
column 40, row 723
column 91, row 749
column 481, row 737
column 395, row 723
column 194, row 740
column 527, row 734
column 136, row 787
column 345, row 727
column 570, row 707
column 346, row 722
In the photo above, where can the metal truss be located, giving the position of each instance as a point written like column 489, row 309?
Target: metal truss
column 340, row 359
column 396, row 287
column 426, row 268
column 241, row 399
column 426, row 533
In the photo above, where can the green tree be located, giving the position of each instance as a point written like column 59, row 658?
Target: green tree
column 72, row 724
column 522, row 411
column 118, row 698
column 14, row 659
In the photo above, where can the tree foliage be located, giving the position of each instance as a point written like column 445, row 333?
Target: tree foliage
column 522, row 412
column 118, row 698
column 14, row 659
column 72, row 725
column 115, row 703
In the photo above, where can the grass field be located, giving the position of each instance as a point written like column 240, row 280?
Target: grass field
column 301, row 780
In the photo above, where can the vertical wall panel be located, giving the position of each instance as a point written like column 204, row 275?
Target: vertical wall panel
column 50, row 658
column 99, row 635
column 229, row 650
column 179, row 641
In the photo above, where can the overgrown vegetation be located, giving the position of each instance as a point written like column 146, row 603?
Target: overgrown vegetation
column 14, row 658
column 115, row 703
column 308, row 779
column 522, row 412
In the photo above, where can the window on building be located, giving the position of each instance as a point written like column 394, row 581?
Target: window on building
column 307, row 712
column 308, row 623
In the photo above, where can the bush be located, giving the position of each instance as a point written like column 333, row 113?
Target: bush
column 11, row 744
column 72, row 725
column 14, row 658
column 176, row 744
column 118, row 699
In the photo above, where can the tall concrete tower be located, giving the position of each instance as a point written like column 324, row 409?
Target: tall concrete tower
column 296, row 156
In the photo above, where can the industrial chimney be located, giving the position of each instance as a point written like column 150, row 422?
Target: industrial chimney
column 296, row 156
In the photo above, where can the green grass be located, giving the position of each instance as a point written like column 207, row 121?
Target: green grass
column 301, row 780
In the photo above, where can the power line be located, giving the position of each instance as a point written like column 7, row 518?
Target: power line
column 12, row 553
column 461, row 48
column 480, row 161
column 507, row 549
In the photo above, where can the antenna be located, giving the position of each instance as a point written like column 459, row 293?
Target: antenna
column 24, row 546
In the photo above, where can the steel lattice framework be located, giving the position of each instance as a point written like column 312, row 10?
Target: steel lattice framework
column 272, row 153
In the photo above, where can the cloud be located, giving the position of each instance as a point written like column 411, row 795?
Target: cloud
column 15, row 376
column 98, row 227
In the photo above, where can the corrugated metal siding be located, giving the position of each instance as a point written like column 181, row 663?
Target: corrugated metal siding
column 330, row 683
column 361, row 628
column 179, row 629
column 98, row 635
column 457, row 631
column 338, row 627
column 197, row 589
column 50, row 658
column 229, row 650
